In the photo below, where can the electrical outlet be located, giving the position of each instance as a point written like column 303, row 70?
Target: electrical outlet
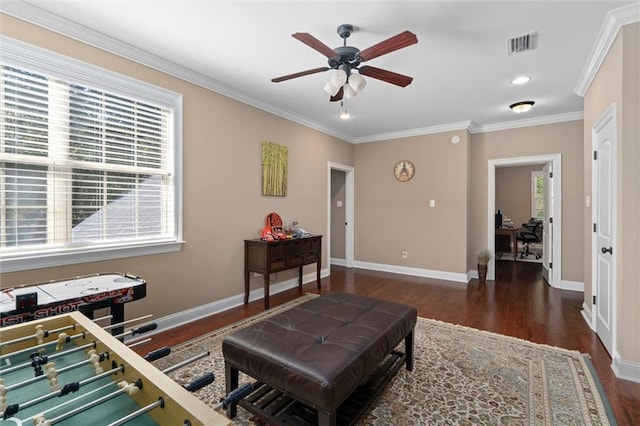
column 404, row 254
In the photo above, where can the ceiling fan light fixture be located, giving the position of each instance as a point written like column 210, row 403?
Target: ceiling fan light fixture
column 357, row 82
column 344, row 114
column 349, row 91
column 331, row 88
column 338, row 77
column 521, row 107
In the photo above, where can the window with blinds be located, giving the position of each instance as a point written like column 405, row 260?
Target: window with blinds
column 87, row 164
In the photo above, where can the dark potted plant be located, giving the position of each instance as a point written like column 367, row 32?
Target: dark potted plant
column 484, row 256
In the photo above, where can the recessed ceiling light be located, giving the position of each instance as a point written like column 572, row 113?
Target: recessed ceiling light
column 521, row 79
column 520, row 107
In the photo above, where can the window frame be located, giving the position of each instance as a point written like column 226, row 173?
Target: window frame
column 20, row 54
column 534, row 176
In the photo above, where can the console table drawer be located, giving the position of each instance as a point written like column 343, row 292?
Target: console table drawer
column 265, row 257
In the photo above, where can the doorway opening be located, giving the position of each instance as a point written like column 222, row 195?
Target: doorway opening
column 553, row 244
column 340, row 214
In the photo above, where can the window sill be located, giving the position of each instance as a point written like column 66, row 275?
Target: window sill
column 72, row 257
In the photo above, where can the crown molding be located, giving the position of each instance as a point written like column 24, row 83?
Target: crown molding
column 461, row 125
column 507, row 125
column 34, row 15
column 615, row 20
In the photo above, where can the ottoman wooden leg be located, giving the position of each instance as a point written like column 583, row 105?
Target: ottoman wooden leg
column 326, row 419
column 408, row 350
column 231, row 380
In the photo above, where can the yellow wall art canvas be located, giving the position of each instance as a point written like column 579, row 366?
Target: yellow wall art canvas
column 274, row 169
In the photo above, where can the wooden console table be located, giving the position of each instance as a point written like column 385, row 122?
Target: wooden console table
column 265, row 257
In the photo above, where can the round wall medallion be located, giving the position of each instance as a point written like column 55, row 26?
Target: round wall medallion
column 404, row 170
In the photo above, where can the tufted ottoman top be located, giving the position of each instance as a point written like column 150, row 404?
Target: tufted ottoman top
column 321, row 350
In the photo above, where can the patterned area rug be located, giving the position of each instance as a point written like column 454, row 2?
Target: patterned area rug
column 461, row 376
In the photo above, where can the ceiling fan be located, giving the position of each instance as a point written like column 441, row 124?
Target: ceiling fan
column 344, row 60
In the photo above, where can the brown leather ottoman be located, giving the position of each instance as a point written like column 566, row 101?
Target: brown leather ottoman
column 317, row 354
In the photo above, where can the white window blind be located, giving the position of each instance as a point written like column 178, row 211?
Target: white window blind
column 86, row 163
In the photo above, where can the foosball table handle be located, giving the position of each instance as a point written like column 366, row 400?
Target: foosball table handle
column 157, row 354
column 200, row 382
column 144, row 328
column 234, row 396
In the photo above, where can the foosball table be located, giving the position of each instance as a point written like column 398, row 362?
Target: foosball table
column 85, row 376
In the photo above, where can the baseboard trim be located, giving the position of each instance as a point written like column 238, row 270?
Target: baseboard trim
column 184, row 317
column 572, row 285
column 586, row 314
column 338, row 262
column 626, row 370
column 418, row 272
column 472, row 274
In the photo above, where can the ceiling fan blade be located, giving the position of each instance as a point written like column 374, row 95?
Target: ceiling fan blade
column 338, row 96
column 384, row 75
column 404, row 39
column 299, row 74
column 314, row 43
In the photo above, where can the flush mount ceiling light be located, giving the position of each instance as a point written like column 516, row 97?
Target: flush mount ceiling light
column 521, row 80
column 520, row 107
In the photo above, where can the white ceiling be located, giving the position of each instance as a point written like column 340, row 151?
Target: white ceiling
column 460, row 65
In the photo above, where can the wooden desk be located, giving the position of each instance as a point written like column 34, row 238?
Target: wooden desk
column 266, row 257
column 513, row 235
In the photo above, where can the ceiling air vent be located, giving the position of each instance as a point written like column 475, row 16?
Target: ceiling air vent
column 522, row 43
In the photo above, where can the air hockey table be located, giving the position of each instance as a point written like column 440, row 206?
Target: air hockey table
column 85, row 293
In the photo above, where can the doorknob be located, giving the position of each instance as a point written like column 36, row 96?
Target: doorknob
column 605, row 250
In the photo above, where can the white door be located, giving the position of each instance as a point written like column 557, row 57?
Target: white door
column 604, row 139
column 547, row 224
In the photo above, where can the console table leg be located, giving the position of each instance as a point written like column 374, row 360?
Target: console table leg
column 318, row 275
column 300, row 277
column 266, row 291
column 246, row 286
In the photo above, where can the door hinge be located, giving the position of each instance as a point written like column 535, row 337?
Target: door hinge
column 595, row 155
column 594, row 299
column 594, row 227
column 550, row 174
column 550, row 220
column 550, row 265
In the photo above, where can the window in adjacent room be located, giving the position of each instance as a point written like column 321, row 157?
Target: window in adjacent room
column 88, row 167
column 537, row 194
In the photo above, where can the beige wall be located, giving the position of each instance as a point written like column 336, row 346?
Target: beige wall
column 393, row 216
column 222, row 201
column 560, row 138
column 223, row 205
column 617, row 81
column 513, row 192
column 338, row 216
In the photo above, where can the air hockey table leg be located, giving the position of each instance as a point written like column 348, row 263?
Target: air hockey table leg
column 117, row 310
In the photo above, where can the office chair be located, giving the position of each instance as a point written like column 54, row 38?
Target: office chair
column 531, row 232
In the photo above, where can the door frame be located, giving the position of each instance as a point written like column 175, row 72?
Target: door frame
column 609, row 114
column 349, row 211
column 556, row 161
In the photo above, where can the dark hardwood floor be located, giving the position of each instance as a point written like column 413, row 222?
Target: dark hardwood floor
column 518, row 303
